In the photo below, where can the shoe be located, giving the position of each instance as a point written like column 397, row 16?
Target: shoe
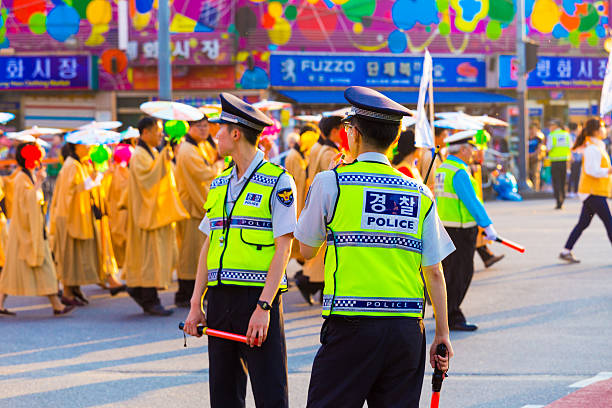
column 65, row 311
column 116, row 290
column 304, row 290
column 5, row 312
column 158, row 310
column 569, row 257
column 183, row 304
column 493, row 260
column 80, row 296
column 71, row 302
column 467, row 327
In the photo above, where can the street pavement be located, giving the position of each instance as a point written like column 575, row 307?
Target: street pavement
column 544, row 326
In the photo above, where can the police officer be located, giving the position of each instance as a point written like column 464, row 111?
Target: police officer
column 461, row 212
column 381, row 228
column 559, row 152
column 249, row 224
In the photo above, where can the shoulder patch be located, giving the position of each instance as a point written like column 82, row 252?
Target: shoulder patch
column 285, row 196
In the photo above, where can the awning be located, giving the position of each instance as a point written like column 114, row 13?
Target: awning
column 405, row 97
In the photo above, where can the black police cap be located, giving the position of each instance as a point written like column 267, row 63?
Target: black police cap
column 235, row 111
column 370, row 104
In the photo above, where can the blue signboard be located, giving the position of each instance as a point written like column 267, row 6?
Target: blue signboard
column 555, row 72
column 373, row 70
column 45, row 72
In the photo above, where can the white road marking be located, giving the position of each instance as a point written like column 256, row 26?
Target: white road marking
column 532, row 406
column 605, row 375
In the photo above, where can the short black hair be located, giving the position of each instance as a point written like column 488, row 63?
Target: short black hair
column 146, row 123
column 329, row 123
column 377, row 134
column 251, row 135
column 405, row 146
column 19, row 157
column 572, row 126
column 438, row 131
column 309, row 127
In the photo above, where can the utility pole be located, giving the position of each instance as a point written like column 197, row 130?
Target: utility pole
column 521, row 96
column 164, row 68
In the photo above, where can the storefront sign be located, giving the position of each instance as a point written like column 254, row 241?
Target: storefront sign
column 46, row 72
column 194, row 49
column 287, row 69
column 187, row 78
column 557, row 72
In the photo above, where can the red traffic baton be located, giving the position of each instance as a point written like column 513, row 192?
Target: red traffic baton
column 218, row 333
column 437, row 378
column 511, row 244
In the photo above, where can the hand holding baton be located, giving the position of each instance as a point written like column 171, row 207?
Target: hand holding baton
column 437, row 378
column 511, row 244
column 219, row 333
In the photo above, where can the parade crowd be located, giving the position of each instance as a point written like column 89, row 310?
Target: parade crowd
column 378, row 222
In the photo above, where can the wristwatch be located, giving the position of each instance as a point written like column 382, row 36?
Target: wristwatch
column 264, row 305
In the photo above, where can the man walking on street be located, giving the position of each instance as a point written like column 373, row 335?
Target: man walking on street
column 559, row 152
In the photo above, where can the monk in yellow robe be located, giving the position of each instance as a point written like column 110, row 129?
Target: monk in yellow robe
column 8, row 183
column 29, row 269
column 72, row 225
column 153, row 207
column 117, row 213
column 3, row 229
column 194, row 173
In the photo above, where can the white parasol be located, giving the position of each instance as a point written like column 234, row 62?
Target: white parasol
column 6, row 116
column 171, row 111
column 130, row 133
column 26, row 138
column 107, row 125
column 93, row 137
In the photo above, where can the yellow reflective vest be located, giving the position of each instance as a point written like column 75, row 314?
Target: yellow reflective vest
column 561, row 146
column 374, row 243
column 242, row 242
column 453, row 213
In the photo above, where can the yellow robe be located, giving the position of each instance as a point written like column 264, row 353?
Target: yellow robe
column 321, row 156
column 118, row 213
column 194, row 174
column 72, row 227
column 106, row 254
column 153, row 207
column 3, row 226
column 29, row 269
column 8, row 191
column 296, row 166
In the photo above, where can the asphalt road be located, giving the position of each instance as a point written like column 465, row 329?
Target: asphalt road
column 544, row 325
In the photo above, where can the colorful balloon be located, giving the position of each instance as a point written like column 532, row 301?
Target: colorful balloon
column 144, row 6
column 37, row 23
column 275, row 9
column 81, row 7
column 99, row 154
column 397, row 42
column 501, row 10
column 291, row 12
column 280, row 33
column 494, row 30
column 545, row 16
column 23, row 9
column 312, row 18
column 355, row 10
column 118, row 56
column 99, row 12
column 62, row 22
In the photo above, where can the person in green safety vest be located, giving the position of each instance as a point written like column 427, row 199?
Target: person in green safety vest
column 461, row 212
column 559, row 145
column 249, row 224
column 381, row 229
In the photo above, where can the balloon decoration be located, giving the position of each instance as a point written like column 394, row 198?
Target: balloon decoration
column 545, row 16
column 176, row 129
column 122, row 154
column 62, row 22
column 23, row 9
column 119, row 57
column 32, row 155
column 99, row 12
column 99, row 154
column 37, row 23
column 285, row 116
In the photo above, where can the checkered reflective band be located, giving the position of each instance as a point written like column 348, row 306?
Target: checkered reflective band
column 375, row 239
column 219, row 181
column 241, row 275
column 369, row 179
column 261, row 224
column 263, row 180
column 364, row 304
column 376, row 115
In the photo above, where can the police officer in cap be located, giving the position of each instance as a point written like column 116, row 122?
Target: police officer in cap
column 381, row 228
column 461, row 212
column 250, row 219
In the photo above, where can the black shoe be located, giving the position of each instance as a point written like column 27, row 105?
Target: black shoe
column 5, row 312
column 71, row 302
column 80, row 296
column 468, row 327
column 116, row 290
column 65, row 311
column 303, row 284
column 568, row 257
column 158, row 310
column 493, row 260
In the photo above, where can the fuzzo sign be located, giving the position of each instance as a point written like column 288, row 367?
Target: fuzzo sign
column 385, row 210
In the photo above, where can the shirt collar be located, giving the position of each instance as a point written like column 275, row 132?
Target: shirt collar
column 374, row 157
column 259, row 156
column 452, row 156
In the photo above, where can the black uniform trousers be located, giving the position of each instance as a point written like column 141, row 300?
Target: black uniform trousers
column 147, row 298
column 230, row 309
column 459, row 270
column 378, row 360
column 558, row 175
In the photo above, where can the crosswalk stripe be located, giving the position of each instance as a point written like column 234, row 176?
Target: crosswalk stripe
column 605, row 375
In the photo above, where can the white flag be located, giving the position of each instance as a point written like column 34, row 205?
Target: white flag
column 605, row 104
column 422, row 131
